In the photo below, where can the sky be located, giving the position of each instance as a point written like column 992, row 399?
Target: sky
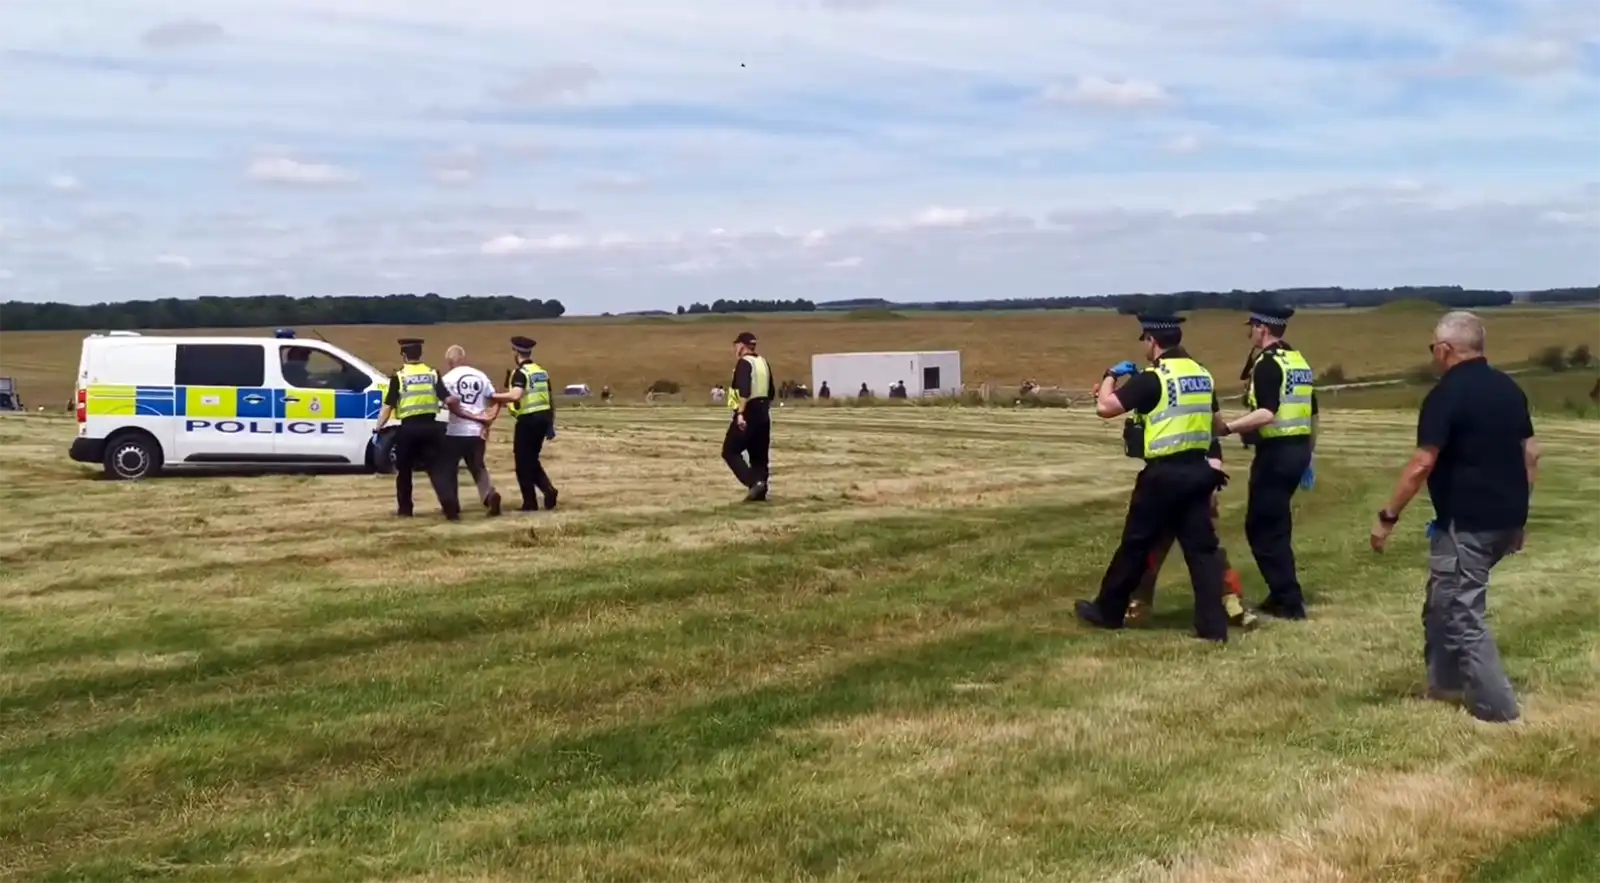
column 640, row 154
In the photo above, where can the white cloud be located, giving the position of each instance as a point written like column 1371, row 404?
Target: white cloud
column 1188, row 142
column 1115, row 94
column 617, row 181
column 174, row 260
column 182, row 33
column 1523, row 56
column 64, row 183
column 557, row 82
column 904, row 150
column 456, row 168
column 512, row 243
column 939, row 216
column 284, row 170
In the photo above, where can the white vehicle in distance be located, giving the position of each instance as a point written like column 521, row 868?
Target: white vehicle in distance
column 150, row 403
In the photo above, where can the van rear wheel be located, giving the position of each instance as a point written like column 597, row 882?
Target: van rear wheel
column 132, row 456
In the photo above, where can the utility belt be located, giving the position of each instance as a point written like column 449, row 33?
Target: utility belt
column 1133, row 439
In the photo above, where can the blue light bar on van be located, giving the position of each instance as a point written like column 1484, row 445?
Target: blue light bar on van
column 284, row 333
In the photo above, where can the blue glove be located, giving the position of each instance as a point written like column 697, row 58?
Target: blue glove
column 1430, row 528
column 551, row 433
column 1308, row 479
column 1123, row 369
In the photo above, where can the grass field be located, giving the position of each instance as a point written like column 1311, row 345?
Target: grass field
column 875, row 676
column 1068, row 349
column 1563, row 393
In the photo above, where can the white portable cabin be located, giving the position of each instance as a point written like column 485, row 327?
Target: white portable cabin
column 925, row 374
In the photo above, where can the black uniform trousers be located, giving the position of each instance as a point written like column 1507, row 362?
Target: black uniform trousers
column 1171, row 497
column 1269, row 525
column 755, row 440
column 422, row 442
column 527, row 443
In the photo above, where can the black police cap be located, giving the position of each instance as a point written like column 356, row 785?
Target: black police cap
column 522, row 344
column 1149, row 322
column 1270, row 314
column 410, row 341
column 745, row 338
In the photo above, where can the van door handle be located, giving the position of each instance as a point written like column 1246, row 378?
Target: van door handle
column 289, row 399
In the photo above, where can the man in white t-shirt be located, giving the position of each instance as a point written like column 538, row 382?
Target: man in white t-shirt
column 468, row 430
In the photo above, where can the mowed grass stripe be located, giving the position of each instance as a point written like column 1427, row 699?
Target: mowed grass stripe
column 1114, row 783
column 832, row 611
column 1027, row 762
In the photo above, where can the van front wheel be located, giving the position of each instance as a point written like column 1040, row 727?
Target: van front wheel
column 132, row 456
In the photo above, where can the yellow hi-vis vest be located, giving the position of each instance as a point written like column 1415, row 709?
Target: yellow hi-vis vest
column 1294, row 405
column 535, row 390
column 1183, row 420
column 418, row 396
column 760, row 382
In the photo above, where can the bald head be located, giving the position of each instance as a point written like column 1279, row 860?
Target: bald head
column 454, row 356
column 1463, row 331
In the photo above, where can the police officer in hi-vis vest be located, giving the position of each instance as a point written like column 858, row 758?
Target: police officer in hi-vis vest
column 1145, row 595
column 1172, row 495
column 750, row 429
column 528, row 394
column 1281, row 426
column 415, row 397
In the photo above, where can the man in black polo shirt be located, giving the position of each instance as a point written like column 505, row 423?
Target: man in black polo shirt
column 1478, row 455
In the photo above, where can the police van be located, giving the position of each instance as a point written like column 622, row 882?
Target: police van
column 147, row 403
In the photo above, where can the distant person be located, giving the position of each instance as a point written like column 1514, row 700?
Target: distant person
column 750, row 430
column 898, row 391
column 296, row 371
column 864, row 393
column 466, row 435
column 605, row 394
column 718, row 394
column 1477, row 453
column 826, row 393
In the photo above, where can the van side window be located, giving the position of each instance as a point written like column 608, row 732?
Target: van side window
column 220, row 364
column 308, row 368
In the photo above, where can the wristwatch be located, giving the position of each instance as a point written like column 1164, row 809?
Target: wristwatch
column 1387, row 518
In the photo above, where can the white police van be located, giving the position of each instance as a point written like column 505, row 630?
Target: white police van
column 146, row 403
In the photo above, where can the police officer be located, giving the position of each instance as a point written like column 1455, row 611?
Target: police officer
column 1281, row 426
column 528, row 394
column 750, row 430
column 416, row 395
column 1177, row 402
column 1145, row 595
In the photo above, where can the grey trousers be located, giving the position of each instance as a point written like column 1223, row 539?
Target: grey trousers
column 1461, row 654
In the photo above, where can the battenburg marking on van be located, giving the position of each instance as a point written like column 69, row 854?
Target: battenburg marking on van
column 228, row 402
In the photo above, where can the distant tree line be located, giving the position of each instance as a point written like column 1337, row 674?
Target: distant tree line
column 275, row 311
column 1447, row 295
column 1453, row 296
column 800, row 305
